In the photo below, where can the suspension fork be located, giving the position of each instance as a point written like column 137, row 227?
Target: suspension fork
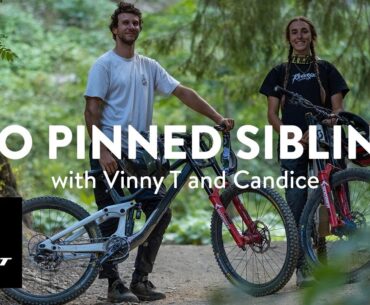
column 244, row 214
column 324, row 180
column 241, row 240
column 343, row 199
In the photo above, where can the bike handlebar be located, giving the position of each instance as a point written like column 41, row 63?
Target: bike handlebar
column 320, row 113
column 228, row 159
column 285, row 91
column 221, row 127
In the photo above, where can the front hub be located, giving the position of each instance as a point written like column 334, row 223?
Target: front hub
column 259, row 241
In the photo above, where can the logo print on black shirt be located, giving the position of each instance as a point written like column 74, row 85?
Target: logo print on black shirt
column 302, row 76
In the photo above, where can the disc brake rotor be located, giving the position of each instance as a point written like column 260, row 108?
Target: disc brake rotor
column 264, row 245
column 44, row 259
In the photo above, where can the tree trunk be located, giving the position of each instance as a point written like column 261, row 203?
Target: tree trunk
column 8, row 184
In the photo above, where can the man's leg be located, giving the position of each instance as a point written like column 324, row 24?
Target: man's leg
column 107, row 228
column 147, row 252
column 117, row 292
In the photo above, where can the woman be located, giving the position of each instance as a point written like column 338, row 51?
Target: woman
column 316, row 80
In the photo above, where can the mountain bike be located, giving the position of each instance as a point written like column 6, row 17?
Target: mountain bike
column 253, row 234
column 337, row 214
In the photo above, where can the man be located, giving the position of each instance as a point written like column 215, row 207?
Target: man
column 120, row 91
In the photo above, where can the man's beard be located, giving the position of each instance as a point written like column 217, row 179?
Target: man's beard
column 128, row 41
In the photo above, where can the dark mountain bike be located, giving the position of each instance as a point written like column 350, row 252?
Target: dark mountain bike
column 337, row 214
column 254, row 236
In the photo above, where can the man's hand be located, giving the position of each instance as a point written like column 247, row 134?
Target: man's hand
column 228, row 123
column 107, row 161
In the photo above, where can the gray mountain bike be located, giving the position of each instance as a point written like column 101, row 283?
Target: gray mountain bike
column 254, row 236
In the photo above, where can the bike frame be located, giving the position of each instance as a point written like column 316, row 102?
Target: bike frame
column 325, row 170
column 123, row 204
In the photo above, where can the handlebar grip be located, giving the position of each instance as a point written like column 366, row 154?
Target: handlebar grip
column 281, row 89
column 342, row 119
column 220, row 127
column 278, row 88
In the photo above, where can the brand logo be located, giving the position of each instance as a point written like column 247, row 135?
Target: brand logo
column 324, row 186
column 4, row 260
column 302, row 76
column 11, row 256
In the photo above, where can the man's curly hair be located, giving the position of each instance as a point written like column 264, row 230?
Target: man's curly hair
column 124, row 7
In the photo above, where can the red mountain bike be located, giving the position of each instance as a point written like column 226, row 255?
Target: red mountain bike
column 338, row 212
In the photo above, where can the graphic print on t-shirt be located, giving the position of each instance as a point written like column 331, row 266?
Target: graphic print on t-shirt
column 302, row 76
column 303, row 79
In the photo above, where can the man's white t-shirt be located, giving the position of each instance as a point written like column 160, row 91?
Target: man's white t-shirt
column 127, row 87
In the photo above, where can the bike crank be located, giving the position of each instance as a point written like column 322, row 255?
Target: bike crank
column 118, row 249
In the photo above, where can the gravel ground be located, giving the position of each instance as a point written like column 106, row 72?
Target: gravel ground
column 190, row 275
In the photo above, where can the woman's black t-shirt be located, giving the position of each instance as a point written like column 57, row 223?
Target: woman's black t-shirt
column 303, row 80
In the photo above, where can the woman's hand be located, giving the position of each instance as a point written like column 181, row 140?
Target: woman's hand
column 304, row 140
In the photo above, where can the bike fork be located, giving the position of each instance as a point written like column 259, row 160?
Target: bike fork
column 324, row 178
column 241, row 240
column 342, row 195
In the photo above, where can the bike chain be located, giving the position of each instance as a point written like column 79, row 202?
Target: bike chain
column 95, row 260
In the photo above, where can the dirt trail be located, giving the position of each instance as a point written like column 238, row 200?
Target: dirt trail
column 190, row 275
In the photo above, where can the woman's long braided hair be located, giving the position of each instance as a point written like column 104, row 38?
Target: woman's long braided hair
column 313, row 55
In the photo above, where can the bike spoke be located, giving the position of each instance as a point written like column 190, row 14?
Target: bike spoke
column 346, row 245
column 49, row 273
column 255, row 267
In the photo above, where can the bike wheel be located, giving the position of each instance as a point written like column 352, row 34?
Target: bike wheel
column 348, row 247
column 260, row 269
column 49, row 277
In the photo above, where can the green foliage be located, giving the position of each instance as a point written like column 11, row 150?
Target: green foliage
column 331, row 279
column 243, row 42
column 5, row 53
column 222, row 49
column 191, row 228
column 43, row 87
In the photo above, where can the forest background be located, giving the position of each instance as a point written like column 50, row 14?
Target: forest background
column 221, row 48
